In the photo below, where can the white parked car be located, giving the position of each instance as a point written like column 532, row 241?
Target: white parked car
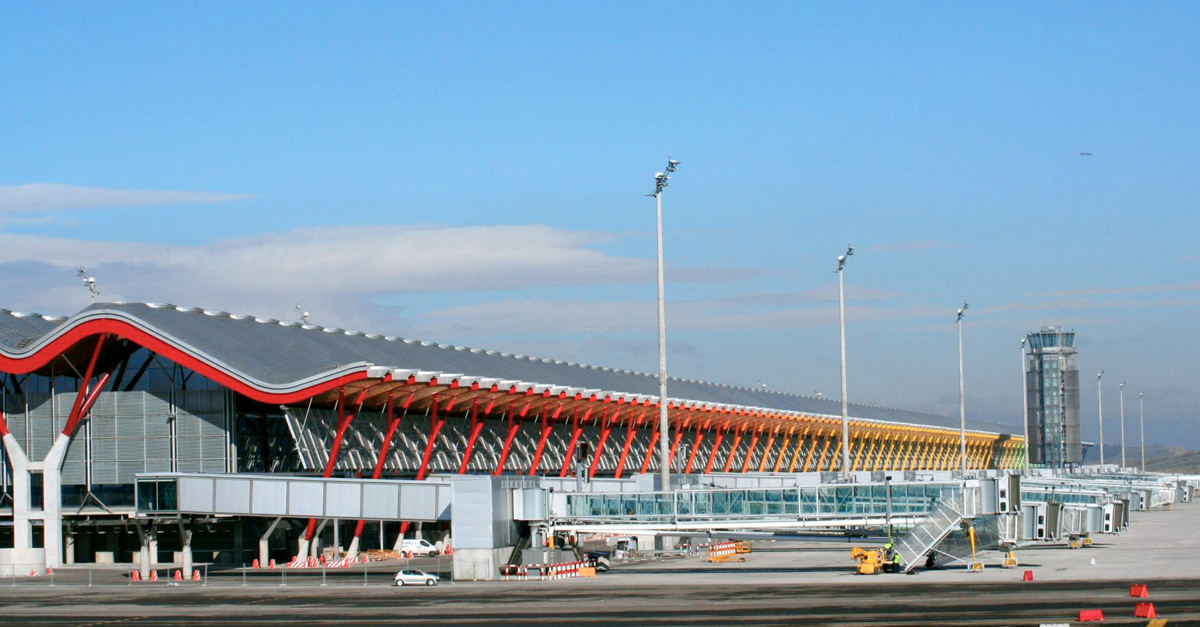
column 412, row 577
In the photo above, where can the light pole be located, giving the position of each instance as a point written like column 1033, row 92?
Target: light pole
column 1100, row 403
column 661, row 180
column 845, row 401
column 1123, row 466
column 1025, row 404
column 962, row 394
column 1142, row 419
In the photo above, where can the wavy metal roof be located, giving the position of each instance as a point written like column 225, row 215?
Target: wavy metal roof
column 281, row 356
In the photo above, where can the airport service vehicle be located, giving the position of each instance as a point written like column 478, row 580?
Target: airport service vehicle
column 419, row 547
column 413, row 577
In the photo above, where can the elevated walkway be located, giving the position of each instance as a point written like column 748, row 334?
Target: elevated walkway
column 165, row 495
column 799, row 507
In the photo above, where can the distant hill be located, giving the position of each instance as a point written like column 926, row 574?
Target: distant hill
column 1187, row 462
column 1133, row 454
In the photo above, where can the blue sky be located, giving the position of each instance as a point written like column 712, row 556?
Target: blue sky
column 474, row 173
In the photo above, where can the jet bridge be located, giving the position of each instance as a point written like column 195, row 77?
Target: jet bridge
column 169, row 495
column 805, row 507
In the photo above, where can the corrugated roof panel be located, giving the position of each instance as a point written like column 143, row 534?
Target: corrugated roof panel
column 275, row 354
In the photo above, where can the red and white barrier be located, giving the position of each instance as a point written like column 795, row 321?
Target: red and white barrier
column 722, row 549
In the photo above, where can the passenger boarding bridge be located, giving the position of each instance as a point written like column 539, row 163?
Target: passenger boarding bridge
column 933, row 515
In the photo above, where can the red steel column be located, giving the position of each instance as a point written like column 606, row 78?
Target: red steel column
column 576, row 431
column 712, row 455
column 604, row 431
column 514, row 423
column 343, row 421
column 700, row 432
column 629, row 435
column 650, row 450
column 737, row 439
column 547, row 428
column 76, row 415
column 476, row 427
column 392, row 423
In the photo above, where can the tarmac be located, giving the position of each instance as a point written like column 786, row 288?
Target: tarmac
column 781, row 583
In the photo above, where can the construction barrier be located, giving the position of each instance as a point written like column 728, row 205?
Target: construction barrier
column 178, row 576
column 136, row 576
column 721, row 551
column 154, row 575
column 1028, row 576
column 1144, row 610
column 195, row 575
column 1139, row 590
column 255, row 565
column 1086, row 616
column 272, row 564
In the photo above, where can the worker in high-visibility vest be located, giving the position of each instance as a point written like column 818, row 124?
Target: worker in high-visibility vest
column 888, row 557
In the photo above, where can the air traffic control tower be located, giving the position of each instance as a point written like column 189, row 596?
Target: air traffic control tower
column 1052, row 384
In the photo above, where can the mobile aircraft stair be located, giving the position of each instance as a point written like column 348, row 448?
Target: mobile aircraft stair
column 982, row 504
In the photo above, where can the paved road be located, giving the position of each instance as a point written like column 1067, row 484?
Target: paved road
column 579, row 602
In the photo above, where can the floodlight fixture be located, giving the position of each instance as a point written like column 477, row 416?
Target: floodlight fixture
column 89, row 282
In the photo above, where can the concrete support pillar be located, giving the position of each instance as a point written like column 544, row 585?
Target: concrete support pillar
column 264, row 544
column 52, row 525
column 146, row 538
column 153, row 548
column 22, row 529
column 337, row 540
column 185, row 548
column 69, row 547
column 417, row 534
column 314, row 547
column 352, row 552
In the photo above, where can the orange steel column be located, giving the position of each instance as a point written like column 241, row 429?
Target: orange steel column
column 762, row 463
column 783, row 448
column 799, row 445
column 737, row 440
column 750, row 453
column 812, row 447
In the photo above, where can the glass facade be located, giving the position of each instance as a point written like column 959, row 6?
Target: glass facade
column 154, row 416
column 758, row 504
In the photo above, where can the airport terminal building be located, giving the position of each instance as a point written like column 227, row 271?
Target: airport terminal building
column 95, row 403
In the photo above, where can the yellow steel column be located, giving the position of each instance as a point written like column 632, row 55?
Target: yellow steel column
column 832, row 460
column 884, row 452
column 895, row 452
column 799, row 445
column 871, row 451
column 915, row 448
column 947, row 456
column 910, row 456
column 933, row 455
column 812, row 447
column 821, row 462
column 862, row 437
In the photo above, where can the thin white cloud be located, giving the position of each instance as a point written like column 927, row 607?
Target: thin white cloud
column 35, row 197
column 333, row 270
column 1124, row 291
column 535, row 317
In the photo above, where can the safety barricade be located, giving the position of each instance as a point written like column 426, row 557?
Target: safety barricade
column 722, row 551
